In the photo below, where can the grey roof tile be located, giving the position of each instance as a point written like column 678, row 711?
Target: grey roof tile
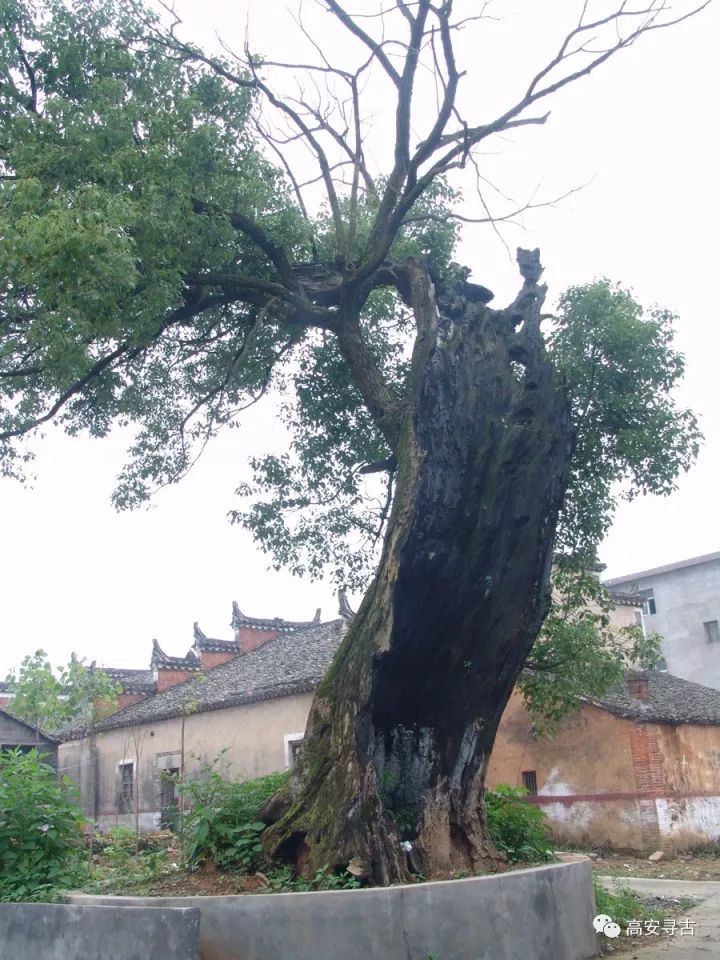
column 621, row 599
column 670, row 700
column 132, row 681
column 241, row 620
column 212, row 644
column 291, row 663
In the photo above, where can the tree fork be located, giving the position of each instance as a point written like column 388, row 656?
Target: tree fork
column 402, row 725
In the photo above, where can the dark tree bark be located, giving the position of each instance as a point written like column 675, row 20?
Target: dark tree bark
column 403, row 724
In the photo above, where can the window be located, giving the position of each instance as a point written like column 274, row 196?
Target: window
column 529, row 779
column 712, row 631
column 169, row 797
column 293, row 744
column 126, row 778
column 649, row 607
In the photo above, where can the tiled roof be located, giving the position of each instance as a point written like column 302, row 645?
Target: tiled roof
column 211, row 644
column 670, row 700
column 6, row 687
column 132, row 681
column 239, row 619
column 620, row 599
column 162, row 661
column 291, row 663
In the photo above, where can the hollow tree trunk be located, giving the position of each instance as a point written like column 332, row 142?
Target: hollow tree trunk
column 403, row 724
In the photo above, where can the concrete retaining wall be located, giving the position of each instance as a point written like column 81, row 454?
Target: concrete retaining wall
column 51, row 931
column 540, row 914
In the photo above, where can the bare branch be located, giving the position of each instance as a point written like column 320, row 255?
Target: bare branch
column 373, row 46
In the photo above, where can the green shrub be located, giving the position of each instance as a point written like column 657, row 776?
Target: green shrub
column 222, row 823
column 518, row 829
column 283, row 880
column 41, row 841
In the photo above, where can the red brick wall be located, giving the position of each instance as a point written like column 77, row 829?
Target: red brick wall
column 648, row 769
column 647, row 759
column 210, row 660
column 170, row 678
column 4, row 701
column 252, row 639
column 125, row 699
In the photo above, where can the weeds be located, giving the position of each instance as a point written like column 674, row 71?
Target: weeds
column 283, row 881
column 518, row 829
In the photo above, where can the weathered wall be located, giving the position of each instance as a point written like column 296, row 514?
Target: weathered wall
column 689, row 812
column 76, row 759
column 248, row 739
column 590, row 754
column 51, row 931
column 585, row 776
column 540, row 914
column 608, row 781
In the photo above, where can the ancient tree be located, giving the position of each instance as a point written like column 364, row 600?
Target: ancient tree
column 183, row 233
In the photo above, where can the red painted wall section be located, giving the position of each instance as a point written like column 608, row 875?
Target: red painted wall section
column 210, row 659
column 125, row 699
column 252, row 639
column 171, row 678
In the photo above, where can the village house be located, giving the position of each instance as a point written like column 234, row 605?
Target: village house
column 681, row 602
column 240, row 706
column 17, row 735
column 638, row 769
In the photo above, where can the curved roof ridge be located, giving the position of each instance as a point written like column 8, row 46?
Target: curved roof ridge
column 287, row 664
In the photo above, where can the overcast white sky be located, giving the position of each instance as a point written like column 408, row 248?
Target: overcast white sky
column 74, row 575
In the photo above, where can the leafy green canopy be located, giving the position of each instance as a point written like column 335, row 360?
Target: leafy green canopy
column 144, row 236
column 108, row 146
column 47, row 699
column 580, row 652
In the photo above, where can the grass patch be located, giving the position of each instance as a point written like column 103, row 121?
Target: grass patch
column 624, row 905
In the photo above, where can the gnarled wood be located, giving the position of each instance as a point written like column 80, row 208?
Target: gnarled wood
column 402, row 726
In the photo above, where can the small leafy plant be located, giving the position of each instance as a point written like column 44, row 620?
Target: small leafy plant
column 222, row 823
column 41, row 841
column 518, row 829
column 283, row 881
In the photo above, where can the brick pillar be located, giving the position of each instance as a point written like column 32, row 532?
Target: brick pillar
column 649, row 779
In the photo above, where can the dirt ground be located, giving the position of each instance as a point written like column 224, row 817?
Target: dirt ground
column 204, row 883
column 697, row 867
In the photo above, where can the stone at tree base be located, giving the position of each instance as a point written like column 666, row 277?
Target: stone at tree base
column 657, row 856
